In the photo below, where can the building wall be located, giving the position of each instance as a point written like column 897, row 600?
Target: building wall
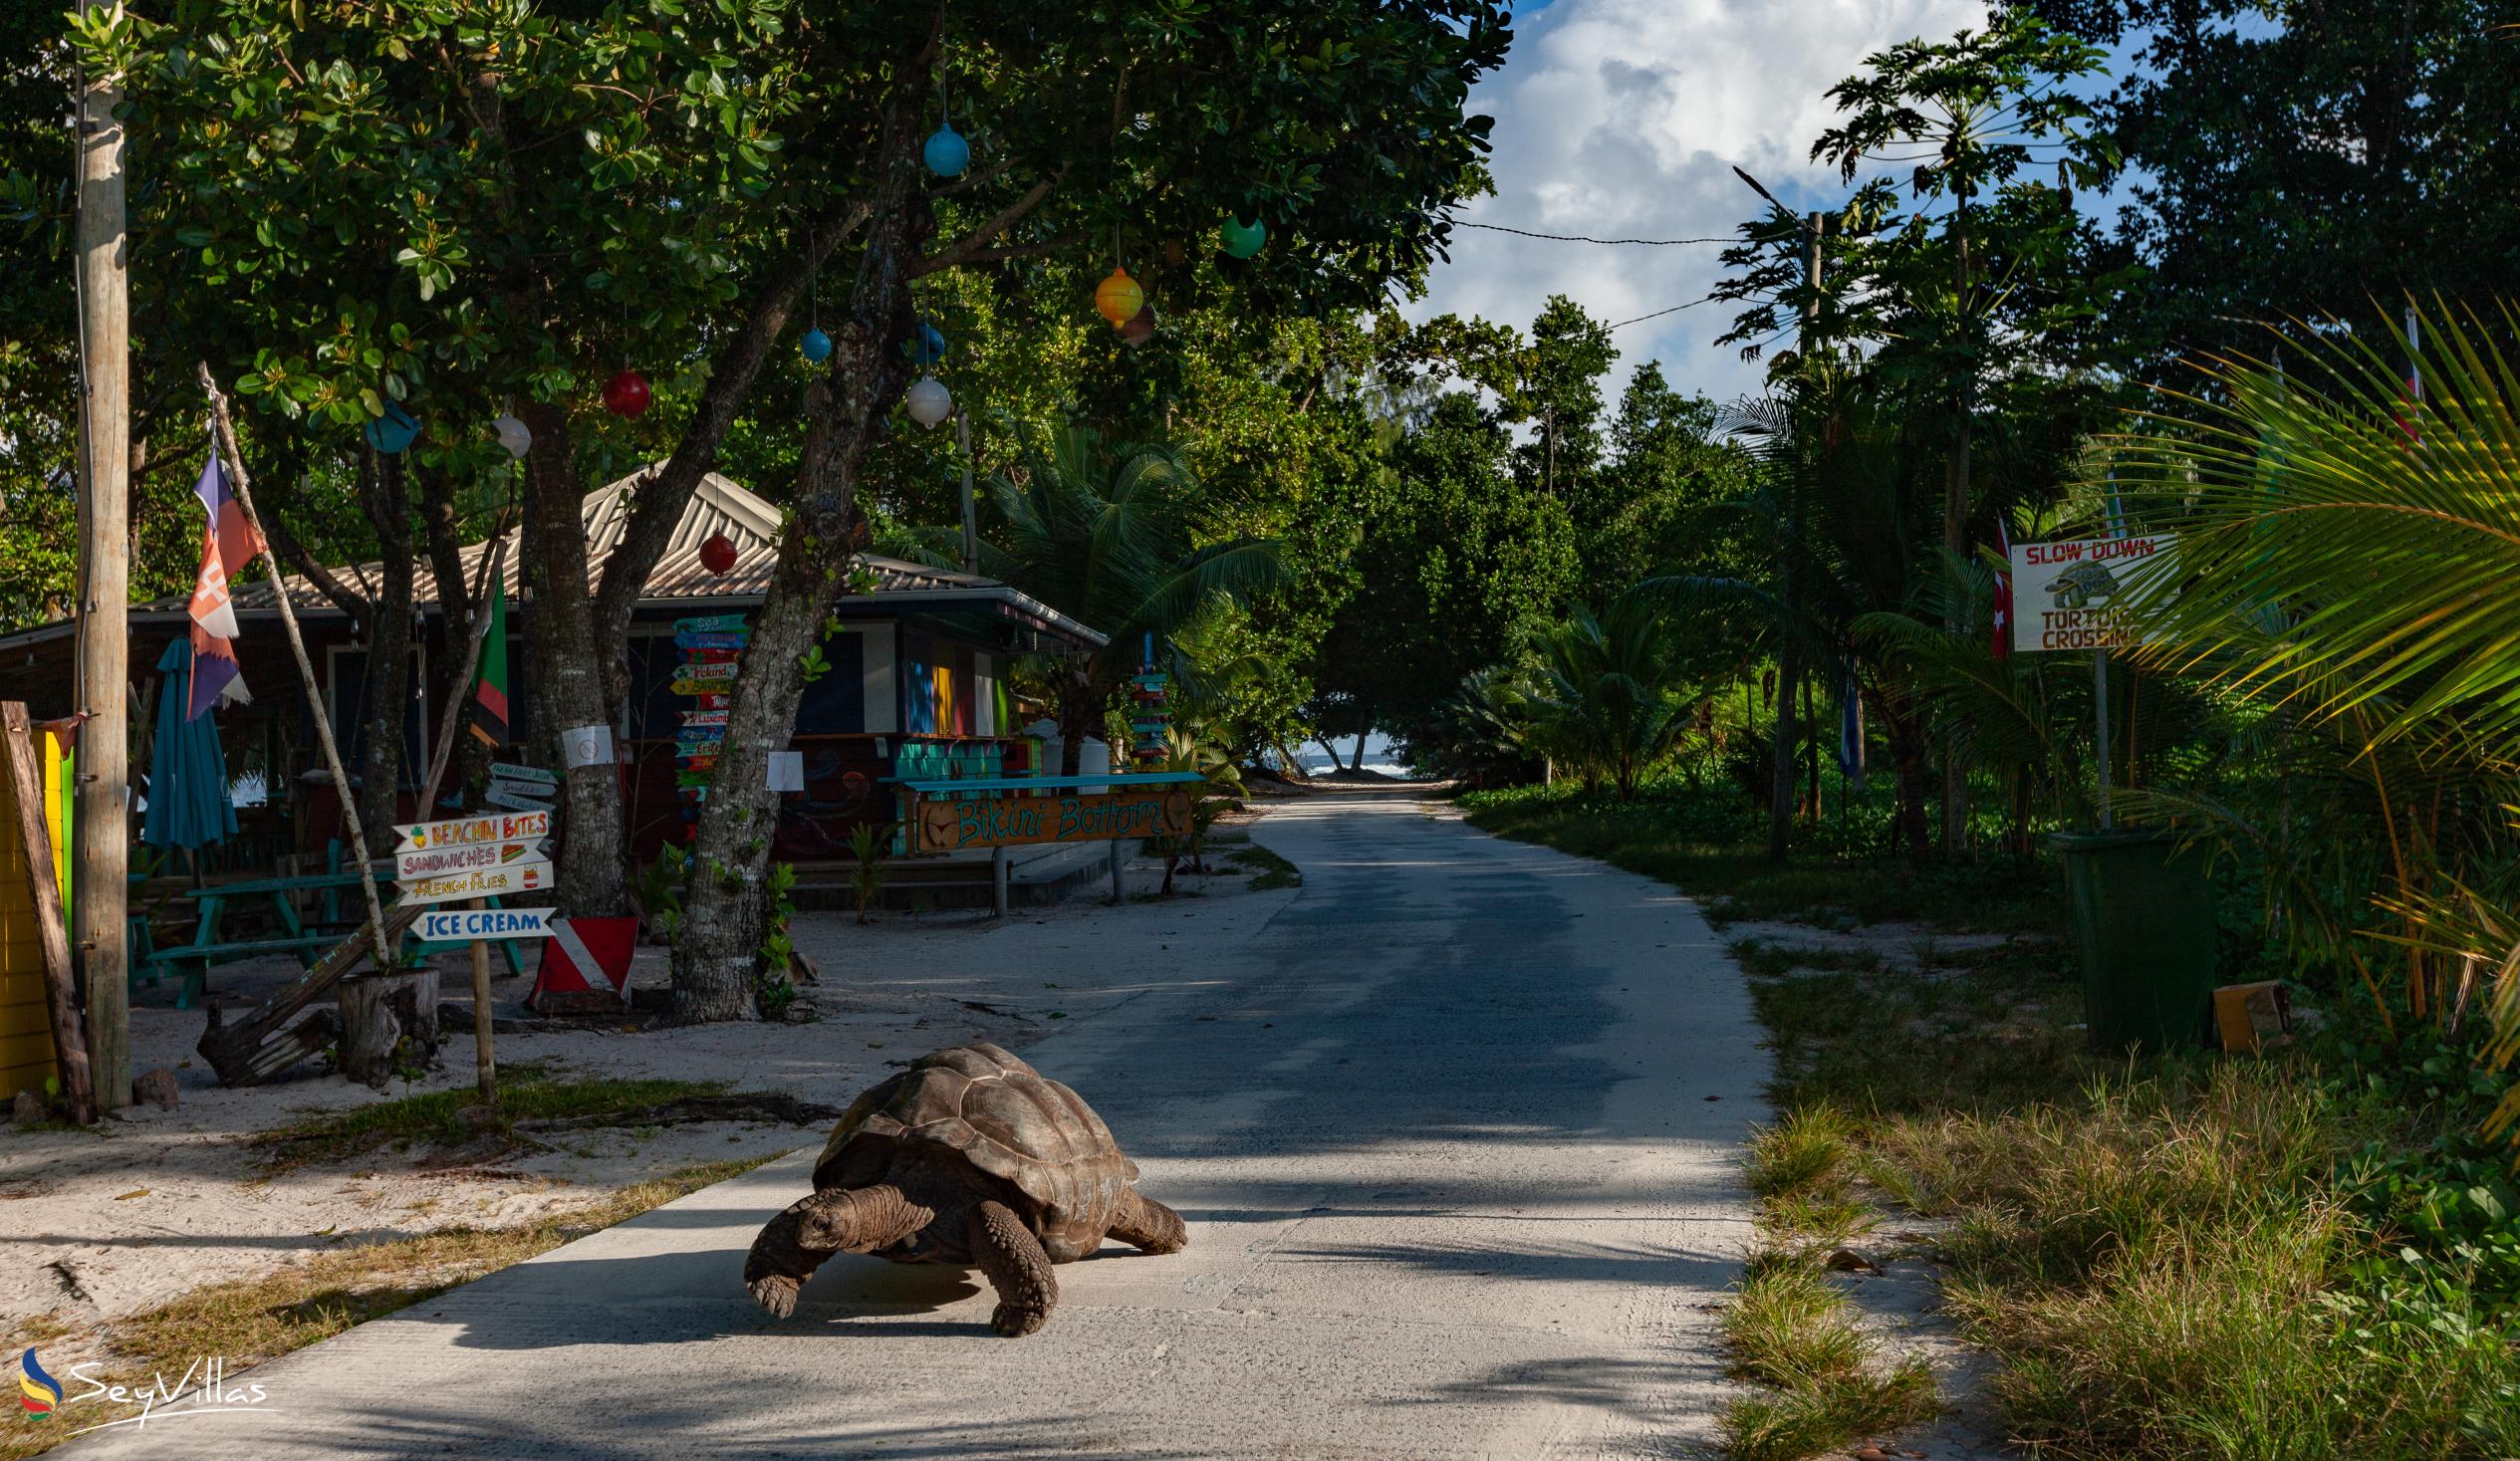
column 26, row 1030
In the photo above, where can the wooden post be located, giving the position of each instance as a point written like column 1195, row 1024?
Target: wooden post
column 238, row 479
column 61, row 1000
column 998, row 871
column 1120, row 888
column 103, row 833
column 485, row 1069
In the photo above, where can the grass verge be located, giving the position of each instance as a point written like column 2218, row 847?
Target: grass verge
column 256, row 1320
column 453, row 1117
column 2253, row 1259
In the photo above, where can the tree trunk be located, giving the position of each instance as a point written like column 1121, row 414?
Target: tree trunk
column 442, row 532
column 592, row 879
column 389, row 679
column 725, row 917
column 1955, row 538
column 1781, row 756
column 1356, row 762
column 388, row 1022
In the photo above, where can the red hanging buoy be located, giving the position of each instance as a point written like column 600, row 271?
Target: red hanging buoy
column 626, row 395
column 718, row 554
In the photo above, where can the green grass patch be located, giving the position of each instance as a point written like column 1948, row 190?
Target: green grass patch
column 2306, row 1255
column 442, row 1118
column 1268, row 869
column 1790, row 1328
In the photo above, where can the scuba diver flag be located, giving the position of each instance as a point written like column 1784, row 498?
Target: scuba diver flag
column 228, row 543
column 490, row 686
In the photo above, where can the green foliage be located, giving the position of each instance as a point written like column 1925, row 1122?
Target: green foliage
column 774, row 987
column 661, row 885
column 869, row 844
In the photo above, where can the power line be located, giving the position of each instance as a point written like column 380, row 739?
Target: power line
column 1577, row 238
column 1659, row 314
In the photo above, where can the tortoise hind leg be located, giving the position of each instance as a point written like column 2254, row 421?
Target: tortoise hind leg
column 1009, row 1253
column 841, row 1220
column 1148, row 1225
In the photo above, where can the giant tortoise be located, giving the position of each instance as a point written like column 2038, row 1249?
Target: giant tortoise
column 969, row 1157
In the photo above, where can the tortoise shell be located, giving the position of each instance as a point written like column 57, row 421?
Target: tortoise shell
column 983, row 1105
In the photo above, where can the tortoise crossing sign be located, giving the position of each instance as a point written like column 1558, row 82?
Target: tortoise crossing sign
column 2072, row 595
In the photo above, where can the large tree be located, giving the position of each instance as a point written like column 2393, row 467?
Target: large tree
column 2297, row 161
column 1339, row 125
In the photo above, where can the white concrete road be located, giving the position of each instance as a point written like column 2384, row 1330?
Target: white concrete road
column 1455, row 1133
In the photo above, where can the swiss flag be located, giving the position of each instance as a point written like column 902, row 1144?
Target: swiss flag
column 586, row 966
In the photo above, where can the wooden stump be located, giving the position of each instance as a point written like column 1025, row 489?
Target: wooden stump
column 389, row 1021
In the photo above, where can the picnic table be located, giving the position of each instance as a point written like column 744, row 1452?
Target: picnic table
column 300, row 935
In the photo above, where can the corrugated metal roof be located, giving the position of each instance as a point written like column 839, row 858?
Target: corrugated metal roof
column 718, row 505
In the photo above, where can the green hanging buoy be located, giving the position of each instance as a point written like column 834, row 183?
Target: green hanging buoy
column 1241, row 239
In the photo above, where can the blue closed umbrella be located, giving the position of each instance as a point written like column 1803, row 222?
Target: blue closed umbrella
column 188, row 804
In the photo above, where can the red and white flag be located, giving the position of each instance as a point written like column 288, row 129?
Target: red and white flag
column 586, row 965
column 228, row 543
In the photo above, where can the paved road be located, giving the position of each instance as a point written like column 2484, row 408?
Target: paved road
column 1442, row 1130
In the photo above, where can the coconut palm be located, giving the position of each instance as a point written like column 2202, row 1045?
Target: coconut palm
column 1108, row 534
column 1605, row 696
column 2344, row 561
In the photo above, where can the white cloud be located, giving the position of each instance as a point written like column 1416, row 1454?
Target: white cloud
column 1622, row 118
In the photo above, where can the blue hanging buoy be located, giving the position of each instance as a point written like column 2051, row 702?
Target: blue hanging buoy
column 925, row 348
column 394, row 431
column 946, row 152
column 816, row 346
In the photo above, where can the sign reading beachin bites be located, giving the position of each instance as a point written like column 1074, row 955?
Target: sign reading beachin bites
column 493, row 828
column 2072, row 595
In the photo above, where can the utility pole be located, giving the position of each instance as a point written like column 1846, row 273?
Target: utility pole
column 103, row 840
column 1788, row 655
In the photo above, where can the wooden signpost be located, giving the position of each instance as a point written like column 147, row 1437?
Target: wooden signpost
column 1005, row 822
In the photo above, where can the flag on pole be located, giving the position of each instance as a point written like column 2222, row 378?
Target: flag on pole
column 227, row 545
column 2003, row 596
column 490, row 686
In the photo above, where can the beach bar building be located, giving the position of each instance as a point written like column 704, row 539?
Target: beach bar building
column 917, row 685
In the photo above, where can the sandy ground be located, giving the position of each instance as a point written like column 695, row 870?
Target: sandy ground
column 153, row 1205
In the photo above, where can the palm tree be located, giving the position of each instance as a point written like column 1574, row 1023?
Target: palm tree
column 1108, row 533
column 2344, row 561
column 1607, row 694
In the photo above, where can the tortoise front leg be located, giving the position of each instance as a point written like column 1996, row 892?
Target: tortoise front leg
column 841, row 1220
column 1009, row 1253
column 1148, row 1225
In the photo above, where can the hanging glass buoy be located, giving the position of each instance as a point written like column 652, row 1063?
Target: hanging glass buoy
column 626, row 395
column 1119, row 298
column 1241, row 239
column 946, row 152
column 815, row 346
column 393, row 433
column 929, row 402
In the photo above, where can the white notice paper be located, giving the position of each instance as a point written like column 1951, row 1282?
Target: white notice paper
column 587, row 745
column 787, row 771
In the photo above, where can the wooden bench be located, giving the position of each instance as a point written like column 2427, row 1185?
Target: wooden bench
column 199, row 956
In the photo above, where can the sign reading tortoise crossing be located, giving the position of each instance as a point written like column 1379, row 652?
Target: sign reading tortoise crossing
column 2070, row 594
column 946, row 826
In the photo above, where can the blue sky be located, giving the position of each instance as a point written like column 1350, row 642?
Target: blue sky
column 1624, row 118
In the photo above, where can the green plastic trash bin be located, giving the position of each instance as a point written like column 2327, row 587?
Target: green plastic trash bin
column 2143, row 924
